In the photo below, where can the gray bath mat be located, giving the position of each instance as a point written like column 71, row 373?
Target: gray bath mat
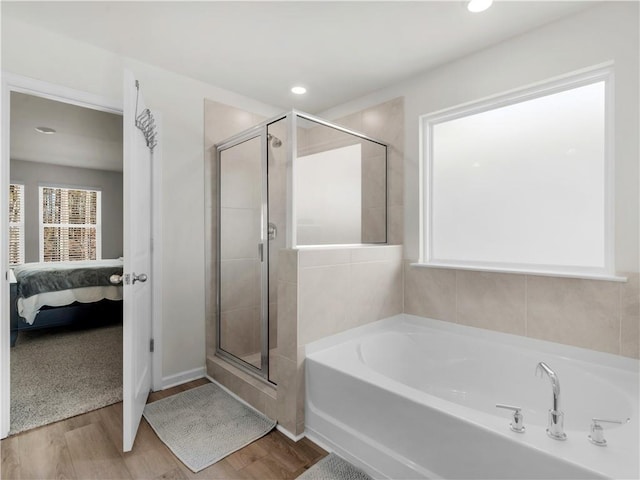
column 205, row 424
column 332, row 467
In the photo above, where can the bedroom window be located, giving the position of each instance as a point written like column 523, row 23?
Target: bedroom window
column 69, row 224
column 16, row 224
column 523, row 182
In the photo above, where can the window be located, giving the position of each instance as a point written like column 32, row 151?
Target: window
column 69, row 224
column 521, row 182
column 16, row 224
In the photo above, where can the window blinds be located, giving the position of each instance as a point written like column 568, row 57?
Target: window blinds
column 69, row 224
column 16, row 224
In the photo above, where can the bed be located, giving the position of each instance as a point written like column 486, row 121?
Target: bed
column 54, row 294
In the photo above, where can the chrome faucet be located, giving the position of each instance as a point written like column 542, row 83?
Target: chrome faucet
column 556, row 416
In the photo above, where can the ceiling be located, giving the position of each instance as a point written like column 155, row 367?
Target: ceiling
column 338, row 50
column 84, row 137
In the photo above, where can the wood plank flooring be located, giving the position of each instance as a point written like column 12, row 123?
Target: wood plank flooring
column 90, row 446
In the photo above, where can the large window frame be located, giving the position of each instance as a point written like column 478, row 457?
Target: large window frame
column 427, row 122
column 42, row 224
column 19, row 225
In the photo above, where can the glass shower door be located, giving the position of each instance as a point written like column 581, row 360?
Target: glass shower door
column 242, row 250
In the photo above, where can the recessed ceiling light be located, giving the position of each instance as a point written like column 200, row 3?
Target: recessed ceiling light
column 298, row 90
column 45, row 130
column 476, row 6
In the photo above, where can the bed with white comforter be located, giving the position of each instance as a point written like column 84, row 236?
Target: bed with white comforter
column 39, row 287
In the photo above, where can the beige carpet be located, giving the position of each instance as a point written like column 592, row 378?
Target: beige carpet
column 63, row 372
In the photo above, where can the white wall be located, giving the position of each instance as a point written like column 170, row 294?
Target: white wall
column 40, row 54
column 606, row 32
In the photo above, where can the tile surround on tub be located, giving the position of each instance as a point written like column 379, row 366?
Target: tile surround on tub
column 430, row 292
column 601, row 315
column 385, row 122
column 493, row 301
column 375, row 291
column 584, row 313
column 630, row 311
column 287, row 319
column 338, row 285
column 288, row 265
column 322, row 300
column 323, row 256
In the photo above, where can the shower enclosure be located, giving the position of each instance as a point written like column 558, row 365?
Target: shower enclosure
column 292, row 181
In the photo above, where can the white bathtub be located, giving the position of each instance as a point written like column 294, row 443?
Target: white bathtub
column 409, row 397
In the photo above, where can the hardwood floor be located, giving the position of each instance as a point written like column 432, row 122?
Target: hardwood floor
column 90, row 446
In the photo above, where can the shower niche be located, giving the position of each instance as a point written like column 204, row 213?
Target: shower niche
column 294, row 181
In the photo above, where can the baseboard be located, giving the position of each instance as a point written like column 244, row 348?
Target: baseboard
column 310, row 434
column 183, row 377
column 288, row 434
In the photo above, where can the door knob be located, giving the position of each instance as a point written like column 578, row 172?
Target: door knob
column 115, row 279
column 139, row 278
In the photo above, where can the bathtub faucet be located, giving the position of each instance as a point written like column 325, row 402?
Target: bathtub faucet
column 556, row 417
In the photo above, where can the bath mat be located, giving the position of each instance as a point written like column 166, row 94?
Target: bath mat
column 205, row 424
column 332, row 467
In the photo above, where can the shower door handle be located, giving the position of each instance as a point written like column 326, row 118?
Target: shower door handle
column 261, row 251
column 272, row 231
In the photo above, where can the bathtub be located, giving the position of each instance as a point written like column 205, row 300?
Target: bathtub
column 410, row 397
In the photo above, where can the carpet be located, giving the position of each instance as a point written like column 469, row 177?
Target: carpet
column 332, row 467
column 63, row 372
column 205, row 424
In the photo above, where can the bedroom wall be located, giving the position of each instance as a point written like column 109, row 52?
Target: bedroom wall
column 34, row 52
column 34, row 174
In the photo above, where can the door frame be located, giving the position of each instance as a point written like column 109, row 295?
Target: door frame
column 259, row 132
column 18, row 83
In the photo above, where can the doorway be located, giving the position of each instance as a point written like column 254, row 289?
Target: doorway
column 14, row 83
column 65, row 211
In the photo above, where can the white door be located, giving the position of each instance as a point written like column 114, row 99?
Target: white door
column 137, row 264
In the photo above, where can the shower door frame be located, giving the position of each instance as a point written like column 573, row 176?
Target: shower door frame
column 259, row 131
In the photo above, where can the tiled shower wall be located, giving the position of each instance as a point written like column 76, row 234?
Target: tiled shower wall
column 385, row 122
column 595, row 314
column 315, row 138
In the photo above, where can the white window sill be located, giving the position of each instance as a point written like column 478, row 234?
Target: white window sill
column 544, row 273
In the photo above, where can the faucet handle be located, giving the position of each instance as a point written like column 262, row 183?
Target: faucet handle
column 517, row 425
column 597, row 432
